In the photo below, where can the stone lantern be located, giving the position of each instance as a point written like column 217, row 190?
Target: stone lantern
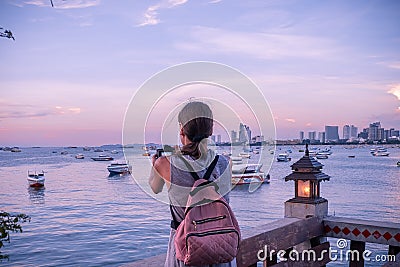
column 307, row 177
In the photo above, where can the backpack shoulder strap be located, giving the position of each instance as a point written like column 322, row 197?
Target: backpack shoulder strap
column 208, row 172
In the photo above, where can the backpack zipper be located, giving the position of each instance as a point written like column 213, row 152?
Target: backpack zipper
column 215, row 232
column 212, row 219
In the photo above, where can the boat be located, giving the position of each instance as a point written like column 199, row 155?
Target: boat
column 86, row 148
column 248, row 174
column 380, row 154
column 36, row 179
column 321, row 156
column 15, row 149
column 245, row 155
column 79, row 156
column 146, row 154
column 98, row 150
column 119, row 168
column 398, row 163
column 102, row 158
column 351, row 156
column 64, row 153
column 283, row 157
column 114, row 152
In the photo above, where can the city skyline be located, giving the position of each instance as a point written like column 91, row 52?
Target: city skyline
column 68, row 77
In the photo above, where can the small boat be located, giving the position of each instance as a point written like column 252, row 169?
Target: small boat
column 114, row 152
column 79, row 156
column 380, row 154
column 119, row 168
column 245, row 155
column 102, row 158
column 398, row 163
column 283, row 157
column 248, row 174
column 146, row 154
column 64, row 153
column 321, row 156
column 15, row 149
column 351, row 156
column 86, row 148
column 36, row 179
column 98, row 150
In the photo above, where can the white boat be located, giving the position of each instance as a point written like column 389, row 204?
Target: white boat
column 283, row 157
column 102, row 158
column 321, row 156
column 245, row 155
column 36, row 179
column 248, row 174
column 79, row 156
column 119, row 168
column 15, row 149
column 398, row 163
column 380, row 154
column 114, row 152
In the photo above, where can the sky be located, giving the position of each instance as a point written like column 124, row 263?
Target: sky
column 71, row 72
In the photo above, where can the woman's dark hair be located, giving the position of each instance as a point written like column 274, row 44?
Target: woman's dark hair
column 197, row 122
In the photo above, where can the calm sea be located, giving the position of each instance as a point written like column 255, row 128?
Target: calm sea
column 83, row 217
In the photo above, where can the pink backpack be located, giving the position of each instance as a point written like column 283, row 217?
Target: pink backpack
column 209, row 232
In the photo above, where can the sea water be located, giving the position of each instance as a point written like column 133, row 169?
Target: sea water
column 84, row 217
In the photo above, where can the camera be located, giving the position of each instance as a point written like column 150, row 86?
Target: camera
column 160, row 152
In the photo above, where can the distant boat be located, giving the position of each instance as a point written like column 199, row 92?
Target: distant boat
column 283, row 157
column 398, row 163
column 15, row 149
column 36, row 179
column 380, row 154
column 86, row 148
column 114, row 152
column 64, row 152
column 245, row 155
column 146, row 154
column 119, row 168
column 102, row 158
column 351, row 156
column 321, row 156
column 79, row 156
column 98, row 150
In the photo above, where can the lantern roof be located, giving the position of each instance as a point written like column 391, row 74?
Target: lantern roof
column 309, row 165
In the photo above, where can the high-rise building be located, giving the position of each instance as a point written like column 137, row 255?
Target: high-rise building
column 233, row 136
column 353, row 131
column 301, row 136
column 373, row 131
column 331, row 133
column 312, row 135
column 346, row 132
column 321, row 137
column 244, row 133
column 213, row 138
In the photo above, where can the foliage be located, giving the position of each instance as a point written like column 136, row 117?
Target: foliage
column 10, row 223
column 6, row 34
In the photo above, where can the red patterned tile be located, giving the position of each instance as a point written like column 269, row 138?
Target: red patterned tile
column 356, row 232
column 366, row 233
column 397, row 237
column 387, row 236
column 346, row 231
column 336, row 229
column 327, row 229
column 376, row 234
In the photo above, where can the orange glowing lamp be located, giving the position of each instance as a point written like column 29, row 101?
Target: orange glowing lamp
column 307, row 175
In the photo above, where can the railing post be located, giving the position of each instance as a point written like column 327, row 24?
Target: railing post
column 360, row 247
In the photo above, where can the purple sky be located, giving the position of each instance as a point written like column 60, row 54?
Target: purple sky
column 69, row 75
